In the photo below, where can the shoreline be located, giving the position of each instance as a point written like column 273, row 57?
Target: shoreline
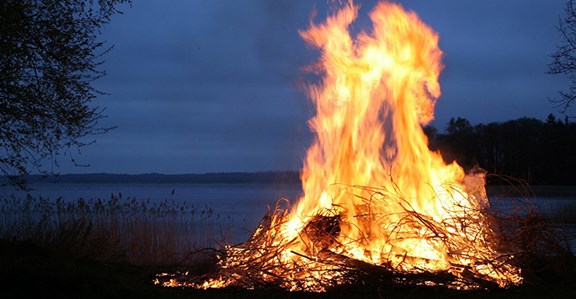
column 535, row 190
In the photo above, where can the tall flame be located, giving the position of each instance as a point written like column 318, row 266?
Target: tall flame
column 377, row 92
column 373, row 191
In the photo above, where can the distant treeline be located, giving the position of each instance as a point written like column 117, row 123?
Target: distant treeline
column 269, row 177
column 539, row 152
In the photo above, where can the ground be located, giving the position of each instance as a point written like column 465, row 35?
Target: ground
column 31, row 271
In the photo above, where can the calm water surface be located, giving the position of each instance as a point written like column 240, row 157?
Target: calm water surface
column 243, row 204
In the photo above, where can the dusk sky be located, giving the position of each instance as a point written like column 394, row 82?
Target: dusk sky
column 212, row 85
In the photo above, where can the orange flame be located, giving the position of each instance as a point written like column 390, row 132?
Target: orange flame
column 378, row 90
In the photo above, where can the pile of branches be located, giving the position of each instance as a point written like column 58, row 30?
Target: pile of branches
column 522, row 242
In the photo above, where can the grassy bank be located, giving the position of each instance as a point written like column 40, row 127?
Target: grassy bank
column 113, row 248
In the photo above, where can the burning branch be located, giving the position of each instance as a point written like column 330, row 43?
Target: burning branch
column 268, row 259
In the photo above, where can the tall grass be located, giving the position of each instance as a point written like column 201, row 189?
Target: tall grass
column 115, row 229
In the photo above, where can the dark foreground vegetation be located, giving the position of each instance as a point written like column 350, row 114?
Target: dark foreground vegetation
column 33, row 271
column 113, row 248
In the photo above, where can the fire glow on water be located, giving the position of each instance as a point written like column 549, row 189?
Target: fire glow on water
column 374, row 194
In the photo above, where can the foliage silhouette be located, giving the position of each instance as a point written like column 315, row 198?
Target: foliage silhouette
column 526, row 148
column 564, row 58
column 49, row 58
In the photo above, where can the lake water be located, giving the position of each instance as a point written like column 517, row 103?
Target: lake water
column 243, row 205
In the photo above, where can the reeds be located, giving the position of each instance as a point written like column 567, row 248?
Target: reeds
column 116, row 229
column 538, row 233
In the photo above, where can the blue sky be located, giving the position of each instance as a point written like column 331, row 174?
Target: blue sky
column 212, row 85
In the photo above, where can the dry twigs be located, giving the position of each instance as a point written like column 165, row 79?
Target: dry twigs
column 486, row 249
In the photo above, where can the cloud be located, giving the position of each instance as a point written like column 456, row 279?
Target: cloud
column 209, row 85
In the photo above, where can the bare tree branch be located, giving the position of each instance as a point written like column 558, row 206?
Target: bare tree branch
column 49, row 58
column 564, row 59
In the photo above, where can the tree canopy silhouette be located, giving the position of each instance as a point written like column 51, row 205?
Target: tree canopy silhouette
column 564, row 59
column 49, row 57
column 525, row 148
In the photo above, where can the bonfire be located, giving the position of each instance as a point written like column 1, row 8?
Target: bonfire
column 377, row 203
